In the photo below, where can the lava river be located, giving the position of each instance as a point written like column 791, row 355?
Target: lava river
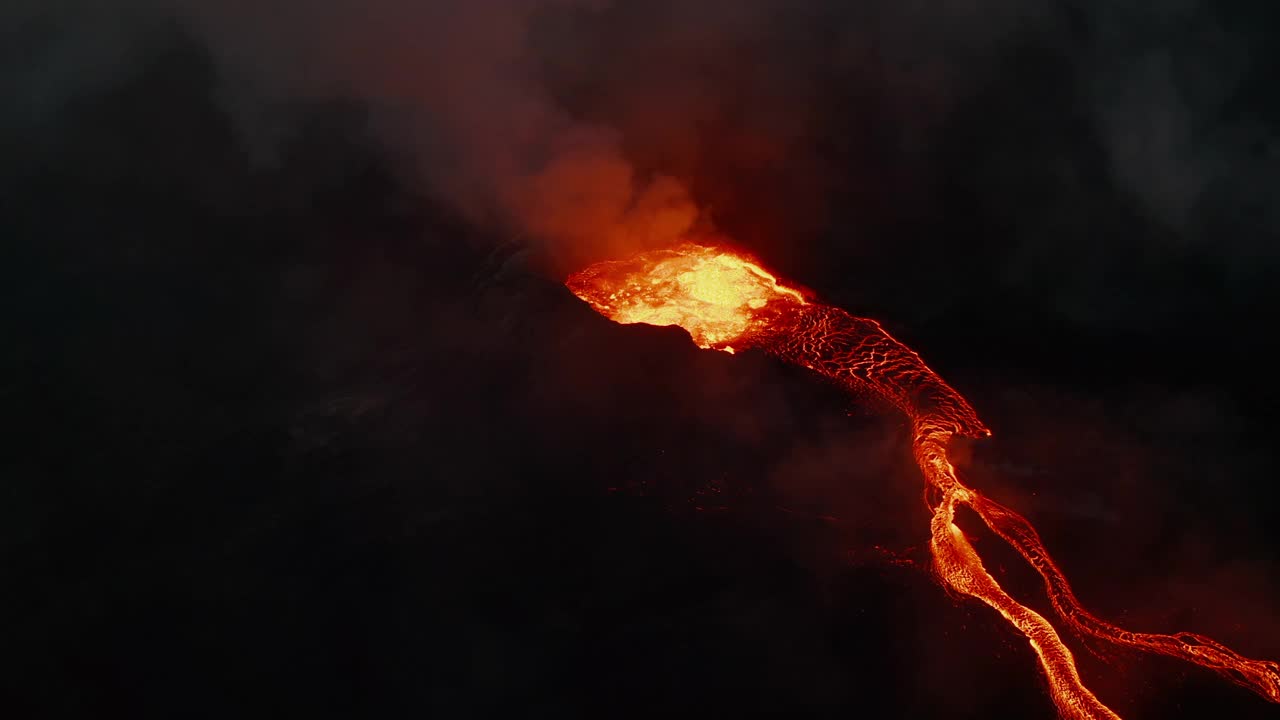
column 727, row 301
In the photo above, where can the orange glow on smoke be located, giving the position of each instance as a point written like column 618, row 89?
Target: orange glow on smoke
column 728, row 302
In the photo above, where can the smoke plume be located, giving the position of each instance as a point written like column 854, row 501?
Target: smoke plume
column 456, row 86
column 592, row 128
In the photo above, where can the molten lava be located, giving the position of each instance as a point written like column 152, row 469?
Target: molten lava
column 716, row 296
column 726, row 302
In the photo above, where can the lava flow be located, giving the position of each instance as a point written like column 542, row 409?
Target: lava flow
column 728, row 302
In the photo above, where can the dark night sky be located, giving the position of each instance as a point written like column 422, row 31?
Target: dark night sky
column 302, row 422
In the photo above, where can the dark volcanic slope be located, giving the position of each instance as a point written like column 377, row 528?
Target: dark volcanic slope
column 293, row 440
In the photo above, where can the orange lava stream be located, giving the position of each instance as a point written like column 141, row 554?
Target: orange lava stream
column 728, row 302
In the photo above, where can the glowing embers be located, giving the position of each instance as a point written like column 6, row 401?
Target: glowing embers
column 717, row 296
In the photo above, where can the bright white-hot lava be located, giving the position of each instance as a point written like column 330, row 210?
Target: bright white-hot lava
column 716, row 296
column 727, row 301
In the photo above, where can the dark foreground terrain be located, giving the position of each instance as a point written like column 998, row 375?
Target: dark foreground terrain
column 297, row 440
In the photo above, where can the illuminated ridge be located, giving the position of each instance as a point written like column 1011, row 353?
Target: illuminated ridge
column 728, row 302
